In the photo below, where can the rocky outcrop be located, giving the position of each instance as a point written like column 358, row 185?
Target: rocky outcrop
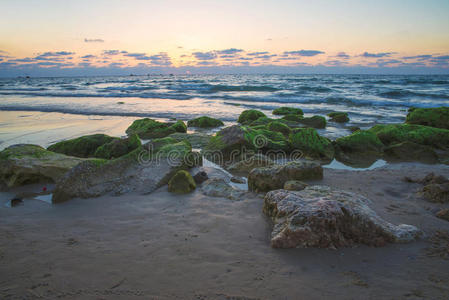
column 338, row 117
column 118, row 147
column 318, row 122
column 148, row 128
column 196, row 139
column 279, row 127
column 408, row 151
column 434, row 117
column 205, row 122
column 84, row 146
column 295, row 185
column 319, row 216
column 312, row 145
column 360, row 148
column 248, row 116
column 255, row 161
column 181, row 183
column 226, row 143
column 274, row 177
column 287, row 111
column 23, row 164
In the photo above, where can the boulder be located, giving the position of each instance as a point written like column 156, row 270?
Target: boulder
column 434, row 117
column 261, row 121
column 226, row 144
column 118, row 147
column 295, row 185
column 263, row 139
column 319, row 216
column 181, row 183
column 200, row 177
column 360, row 148
column 287, row 111
column 205, row 122
column 148, row 128
column 237, row 179
column 408, row 151
column 141, row 171
column 196, row 139
column 248, row 116
column 436, row 192
column 274, row 177
column 293, row 118
column 338, row 117
column 220, row 187
column 23, row 164
column 418, row 134
column 318, row 122
column 279, row 127
column 312, row 144
column 84, row 146
column 246, row 165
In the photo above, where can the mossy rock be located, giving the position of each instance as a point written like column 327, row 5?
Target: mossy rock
column 287, row 110
column 360, row 141
column 261, row 121
column 339, row 117
column 419, row 134
column 205, row 122
column 318, row 122
column 279, row 127
column 196, row 139
column 312, row 144
column 148, row 128
column 264, row 139
column 248, row 116
column 293, row 118
column 433, row 117
column 84, row 146
column 181, row 183
column 118, row 147
column 408, row 151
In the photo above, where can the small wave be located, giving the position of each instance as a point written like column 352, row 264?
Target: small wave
column 241, row 88
column 402, row 94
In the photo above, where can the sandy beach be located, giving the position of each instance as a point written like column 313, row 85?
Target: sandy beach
column 165, row 246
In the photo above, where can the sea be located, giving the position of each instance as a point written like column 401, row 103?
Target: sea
column 369, row 99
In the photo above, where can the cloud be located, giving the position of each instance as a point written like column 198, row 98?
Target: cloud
column 443, row 57
column 205, row 63
column 377, row 55
column 229, row 51
column 93, row 40
column 343, row 55
column 257, row 53
column 205, row 55
column 304, row 52
column 88, row 56
column 161, row 59
column 419, row 57
column 111, row 52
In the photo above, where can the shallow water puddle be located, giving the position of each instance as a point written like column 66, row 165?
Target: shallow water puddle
column 45, row 198
column 341, row 166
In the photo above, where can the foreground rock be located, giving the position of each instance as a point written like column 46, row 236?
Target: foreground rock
column 319, row 216
column 84, row 146
column 295, row 185
column 118, row 147
column 436, row 187
column 312, row 145
column 274, row 177
column 23, row 164
column 360, row 148
column 434, row 117
column 220, row 187
column 255, row 161
column 140, row 171
column 181, row 183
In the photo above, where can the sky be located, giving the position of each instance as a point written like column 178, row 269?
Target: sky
column 98, row 37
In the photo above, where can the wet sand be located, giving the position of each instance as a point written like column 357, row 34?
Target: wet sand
column 164, row 246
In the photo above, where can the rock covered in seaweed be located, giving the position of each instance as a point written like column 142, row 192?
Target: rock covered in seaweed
column 434, row 117
column 359, row 148
column 23, row 164
column 312, row 144
column 287, row 111
column 319, row 216
column 318, row 122
column 205, row 122
column 148, row 128
column 274, row 177
column 181, row 183
column 118, row 147
column 339, row 117
column 248, row 116
column 84, row 146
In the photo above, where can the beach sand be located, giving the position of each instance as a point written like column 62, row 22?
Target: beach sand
column 165, row 246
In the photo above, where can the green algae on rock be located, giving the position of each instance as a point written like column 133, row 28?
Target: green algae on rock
column 84, row 146
column 118, row 147
column 181, row 183
column 279, row 127
column 312, row 144
column 434, row 117
column 318, row 122
column 205, row 122
column 287, row 110
column 339, row 117
column 293, row 118
column 148, row 128
column 248, row 116
column 360, row 141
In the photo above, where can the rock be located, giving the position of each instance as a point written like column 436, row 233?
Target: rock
column 339, row 117
column 148, row 128
column 200, row 177
column 229, row 140
column 219, row 187
column 118, row 147
column 279, row 127
column 318, row 122
column 359, row 147
column 265, row 140
column 16, row 202
column 419, row 134
column 295, row 185
column 261, row 121
column 84, row 146
column 287, row 110
column 443, row 214
column 237, row 179
column 319, row 216
column 24, row 164
column 408, row 151
column 293, row 118
column 247, row 116
column 181, row 183
column 274, row 177
column 141, row 171
column 205, row 122
column 434, row 117
column 353, row 128
column 312, row 144
column 196, row 139
column 255, row 161
column 436, row 192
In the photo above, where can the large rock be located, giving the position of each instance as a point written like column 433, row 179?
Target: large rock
column 279, row 127
column 274, row 177
column 319, row 216
column 84, row 146
column 315, row 122
column 24, row 164
column 220, row 187
column 226, row 144
column 246, row 165
column 312, row 144
column 118, row 147
column 361, row 148
column 196, row 139
column 408, row 151
column 434, row 117
column 142, row 171
column 205, row 122
column 181, row 183
column 248, row 116
column 338, row 117
column 287, row 111
column 148, row 128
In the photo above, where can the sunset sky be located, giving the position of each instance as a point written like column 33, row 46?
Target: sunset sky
column 109, row 37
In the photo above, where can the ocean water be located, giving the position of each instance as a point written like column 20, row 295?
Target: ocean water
column 369, row 99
